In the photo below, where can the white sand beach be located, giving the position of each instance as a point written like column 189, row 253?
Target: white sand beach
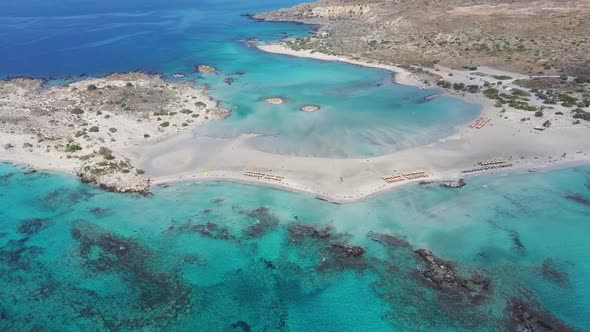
column 183, row 155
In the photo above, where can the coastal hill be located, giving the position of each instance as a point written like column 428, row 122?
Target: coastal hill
column 525, row 36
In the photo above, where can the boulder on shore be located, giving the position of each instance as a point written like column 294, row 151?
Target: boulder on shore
column 453, row 184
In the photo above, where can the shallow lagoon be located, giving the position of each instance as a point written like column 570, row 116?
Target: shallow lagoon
column 362, row 112
column 209, row 255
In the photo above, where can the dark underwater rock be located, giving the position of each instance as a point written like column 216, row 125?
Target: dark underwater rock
column 268, row 264
column 229, row 80
column 241, row 326
column 349, row 250
column 442, row 276
column 33, row 226
column 388, row 239
column 522, row 316
column 578, row 198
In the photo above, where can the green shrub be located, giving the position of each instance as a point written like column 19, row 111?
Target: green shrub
column 91, row 87
column 113, row 130
column 77, row 110
column 93, row 129
column 72, row 148
column 502, row 77
column 165, row 124
column 491, row 93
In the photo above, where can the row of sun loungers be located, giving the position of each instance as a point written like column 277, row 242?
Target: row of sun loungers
column 405, row 176
column 489, row 165
column 480, row 122
column 266, row 176
column 495, row 161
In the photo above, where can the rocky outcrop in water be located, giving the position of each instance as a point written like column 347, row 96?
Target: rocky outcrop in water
column 453, row 184
column 522, row 316
column 205, row 69
column 349, row 250
column 298, row 232
column 442, row 276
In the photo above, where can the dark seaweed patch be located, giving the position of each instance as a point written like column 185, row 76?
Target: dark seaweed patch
column 268, row 264
column 18, row 256
column 162, row 295
column 33, row 226
column 517, row 244
column 264, row 223
column 98, row 211
column 210, row 230
column 549, row 271
column 65, row 197
column 7, row 176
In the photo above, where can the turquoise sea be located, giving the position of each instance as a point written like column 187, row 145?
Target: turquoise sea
column 219, row 256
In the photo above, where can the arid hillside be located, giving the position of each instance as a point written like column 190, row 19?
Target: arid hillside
column 544, row 36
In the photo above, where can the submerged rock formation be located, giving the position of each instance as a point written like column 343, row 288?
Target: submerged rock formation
column 388, row 239
column 442, row 276
column 265, row 221
column 205, row 69
column 522, row 316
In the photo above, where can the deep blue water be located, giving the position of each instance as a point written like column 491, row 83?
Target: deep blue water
column 225, row 257
column 363, row 113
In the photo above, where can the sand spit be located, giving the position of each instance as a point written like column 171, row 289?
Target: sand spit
column 169, row 153
column 499, row 134
column 310, row 108
column 275, row 100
